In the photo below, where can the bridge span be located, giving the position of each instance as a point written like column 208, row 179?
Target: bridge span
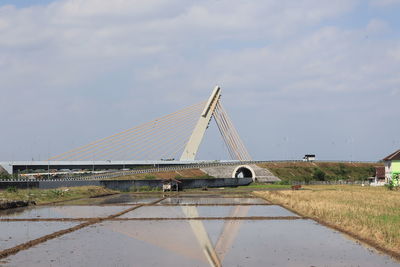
column 174, row 136
column 15, row 167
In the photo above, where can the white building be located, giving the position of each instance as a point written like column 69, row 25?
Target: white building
column 392, row 166
column 309, row 157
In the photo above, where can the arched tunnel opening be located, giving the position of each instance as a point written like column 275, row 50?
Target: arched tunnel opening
column 243, row 172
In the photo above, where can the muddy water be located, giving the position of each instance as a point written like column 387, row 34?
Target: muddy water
column 130, row 199
column 213, row 200
column 15, row 233
column 43, row 212
column 207, row 211
column 198, row 242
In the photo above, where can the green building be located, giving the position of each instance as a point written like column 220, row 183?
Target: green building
column 392, row 167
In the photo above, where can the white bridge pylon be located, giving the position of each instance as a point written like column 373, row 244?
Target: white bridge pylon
column 190, row 151
column 213, row 108
column 178, row 134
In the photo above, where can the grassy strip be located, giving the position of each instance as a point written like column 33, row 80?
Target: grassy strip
column 265, row 186
column 46, row 196
column 371, row 214
column 251, row 218
column 251, row 187
column 179, row 174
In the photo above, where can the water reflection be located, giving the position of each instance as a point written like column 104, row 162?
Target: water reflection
column 43, row 212
column 215, row 255
column 184, row 242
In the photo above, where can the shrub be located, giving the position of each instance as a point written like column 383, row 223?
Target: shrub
column 307, row 179
column 390, row 185
column 56, row 192
column 396, row 180
column 283, row 182
column 394, row 183
column 145, row 188
column 205, row 176
column 4, row 176
column 342, row 170
column 132, row 189
column 319, row 175
column 11, row 189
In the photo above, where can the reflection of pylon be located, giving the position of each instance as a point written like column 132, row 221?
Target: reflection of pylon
column 226, row 238
column 230, row 230
column 201, row 235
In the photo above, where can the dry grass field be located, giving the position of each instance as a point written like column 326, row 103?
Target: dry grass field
column 371, row 214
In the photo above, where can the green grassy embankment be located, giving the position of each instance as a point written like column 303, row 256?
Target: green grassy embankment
column 256, row 186
column 322, row 171
column 46, row 196
column 180, row 174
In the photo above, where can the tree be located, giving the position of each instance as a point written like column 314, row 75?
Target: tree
column 4, row 176
column 319, row 175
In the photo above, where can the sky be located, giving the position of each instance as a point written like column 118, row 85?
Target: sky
column 297, row 77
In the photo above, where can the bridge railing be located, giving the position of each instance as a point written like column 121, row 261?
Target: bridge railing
column 114, row 174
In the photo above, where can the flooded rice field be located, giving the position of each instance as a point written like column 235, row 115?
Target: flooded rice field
column 63, row 212
column 216, row 200
column 184, row 230
column 207, row 211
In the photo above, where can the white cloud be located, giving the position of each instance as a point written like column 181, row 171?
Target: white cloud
column 72, row 58
column 73, row 40
column 384, row 3
column 395, row 52
column 377, row 26
column 326, row 60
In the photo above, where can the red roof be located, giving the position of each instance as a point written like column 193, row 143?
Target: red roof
column 380, row 172
column 393, row 156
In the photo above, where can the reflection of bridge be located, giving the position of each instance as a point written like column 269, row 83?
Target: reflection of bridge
column 156, row 143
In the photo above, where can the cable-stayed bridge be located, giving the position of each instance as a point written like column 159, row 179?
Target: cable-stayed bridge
column 171, row 140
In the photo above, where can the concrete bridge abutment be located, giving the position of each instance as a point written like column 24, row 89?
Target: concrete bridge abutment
column 253, row 171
